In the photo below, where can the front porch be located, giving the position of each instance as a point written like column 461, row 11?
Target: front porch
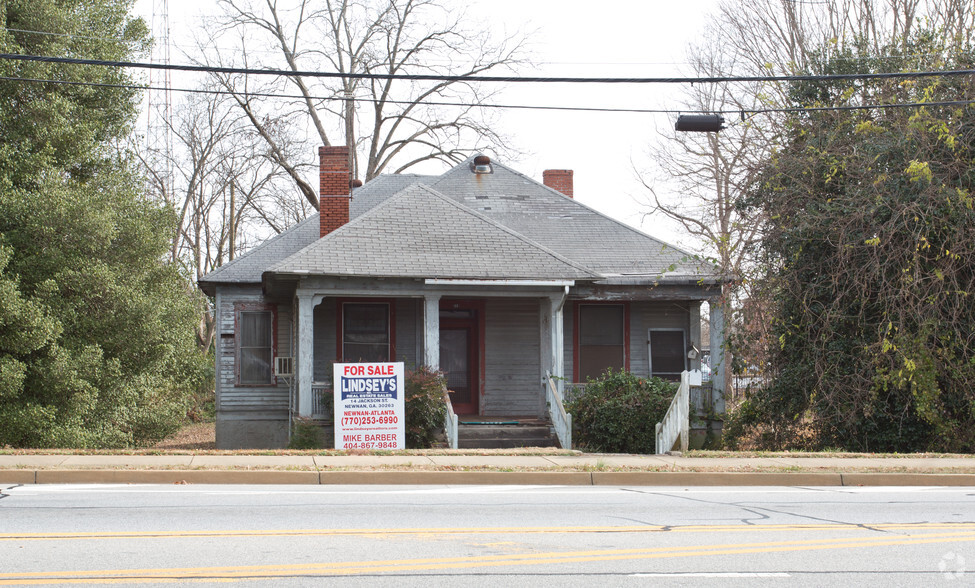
column 507, row 347
column 495, row 341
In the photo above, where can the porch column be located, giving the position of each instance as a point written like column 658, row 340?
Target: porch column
column 718, row 364
column 431, row 330
column 546, row 361
column 551, row 337
column 695, row 333
column 306, row 352
column 558, row 357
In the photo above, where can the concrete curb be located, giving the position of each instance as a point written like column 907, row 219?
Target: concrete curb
column 102, row 476
column 715, row 479
column 18, row 477
column 478, row 477
column 171, row 477
column 907, row 479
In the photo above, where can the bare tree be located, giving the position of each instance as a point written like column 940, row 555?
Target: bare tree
column 226, row 190
column 391, row 123
column 705, row 173
column 710, row 172
column 767, row 37
column 702, row 175
column 781, row 36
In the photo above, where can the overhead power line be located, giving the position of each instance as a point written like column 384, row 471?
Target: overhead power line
column 730, row 112
column 273, row 51
column 493, row 79
column 343, row 98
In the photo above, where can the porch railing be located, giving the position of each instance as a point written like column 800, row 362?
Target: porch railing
column 561, row 420
column 450, row 422
column 318, row 392
column 676, row 423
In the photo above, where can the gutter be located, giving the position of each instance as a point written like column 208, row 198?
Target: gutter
column 525, row 283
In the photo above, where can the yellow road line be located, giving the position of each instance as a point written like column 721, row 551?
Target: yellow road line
column 242, row 573
column 472, row 531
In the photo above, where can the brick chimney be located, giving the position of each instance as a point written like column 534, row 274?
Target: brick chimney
column 334, row 192
column 558, row 179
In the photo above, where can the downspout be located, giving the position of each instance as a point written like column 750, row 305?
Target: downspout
column 558, row 313
column 565, row 294
column 292, row 381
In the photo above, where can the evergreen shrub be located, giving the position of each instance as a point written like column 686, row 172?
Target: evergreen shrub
column 425, row 407
column 306, row 434
column 618, row 412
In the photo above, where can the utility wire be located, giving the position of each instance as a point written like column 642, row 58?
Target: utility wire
column 741, row 111
column 559, row 63
column 478, row 78
column 342, row 98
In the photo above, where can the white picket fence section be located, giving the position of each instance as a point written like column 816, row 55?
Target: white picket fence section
column 450, row 422
column 561, row 420
column 676, row 423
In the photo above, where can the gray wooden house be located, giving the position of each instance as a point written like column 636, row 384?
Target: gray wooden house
column 493, row 277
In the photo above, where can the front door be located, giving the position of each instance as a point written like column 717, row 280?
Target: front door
column 459, row 355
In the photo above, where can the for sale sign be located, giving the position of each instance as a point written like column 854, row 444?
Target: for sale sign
column 370, row 411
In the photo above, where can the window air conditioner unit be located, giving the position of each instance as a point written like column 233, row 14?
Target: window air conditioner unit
column 283, row 366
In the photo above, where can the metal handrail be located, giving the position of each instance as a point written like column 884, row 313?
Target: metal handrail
column 676, row 422
column 561, row 420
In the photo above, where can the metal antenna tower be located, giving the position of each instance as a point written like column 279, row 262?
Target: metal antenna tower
column 159, row 133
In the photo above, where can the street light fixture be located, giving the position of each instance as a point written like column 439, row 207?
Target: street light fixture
column 700, row 123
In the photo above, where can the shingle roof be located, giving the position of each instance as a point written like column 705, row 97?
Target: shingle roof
column 248, row 268
column 541, row 233
column 419, row 233
column 562, row 224
column 377, row 190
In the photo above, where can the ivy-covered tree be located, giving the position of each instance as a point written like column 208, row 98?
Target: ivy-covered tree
column 96, row 332
column 870, row 258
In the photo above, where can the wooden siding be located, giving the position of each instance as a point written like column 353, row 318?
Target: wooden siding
column 653, row 315
column 325, row 340
column 513, row 358
column 230, row 397
column 406, row 332
column 568, row 349
column 643, row 316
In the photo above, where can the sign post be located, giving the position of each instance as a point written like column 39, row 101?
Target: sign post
column 370, row 409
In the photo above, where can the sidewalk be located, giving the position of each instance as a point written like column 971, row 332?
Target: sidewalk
column 459, row 468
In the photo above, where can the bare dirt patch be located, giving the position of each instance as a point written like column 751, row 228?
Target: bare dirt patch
column 198, row 436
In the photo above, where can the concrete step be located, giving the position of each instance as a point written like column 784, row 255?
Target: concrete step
column 505, row 436
column 505, row 443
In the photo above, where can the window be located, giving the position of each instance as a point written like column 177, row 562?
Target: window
column 668, row 353
column 255, row 347
column 601, row 332
column 365, row 332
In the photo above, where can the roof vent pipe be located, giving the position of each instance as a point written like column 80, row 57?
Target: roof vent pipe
column 482, row 164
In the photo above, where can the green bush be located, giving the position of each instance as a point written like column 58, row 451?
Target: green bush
column 306, row 434
column 425, row 407
column 618, row 413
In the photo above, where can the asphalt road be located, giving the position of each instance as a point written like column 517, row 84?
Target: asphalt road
column 486, row 536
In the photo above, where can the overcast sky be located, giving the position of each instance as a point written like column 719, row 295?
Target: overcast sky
column 619, row 38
